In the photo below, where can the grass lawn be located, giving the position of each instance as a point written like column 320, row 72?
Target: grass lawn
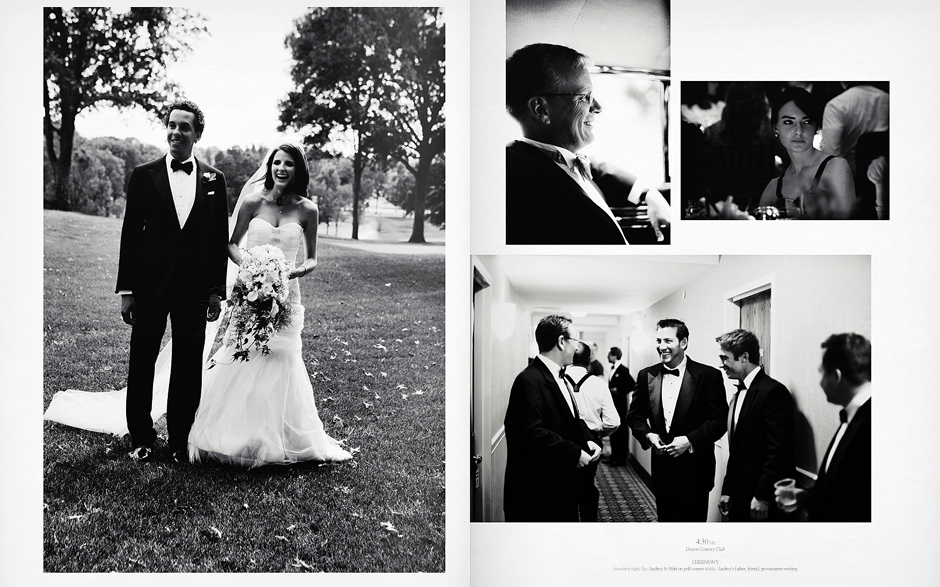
column 374, row 347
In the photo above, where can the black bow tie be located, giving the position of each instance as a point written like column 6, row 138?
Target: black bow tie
column 187, row 167
column 741, row 386
column 668, row 371
column 843, row 416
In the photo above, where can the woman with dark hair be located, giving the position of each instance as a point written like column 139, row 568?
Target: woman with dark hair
column 262, row 411
column 814, row 186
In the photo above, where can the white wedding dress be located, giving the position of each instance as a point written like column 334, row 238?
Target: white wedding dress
column 263, row 411
column 251, row 413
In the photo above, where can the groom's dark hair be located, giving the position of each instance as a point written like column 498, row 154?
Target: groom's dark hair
column 188, row 106
column 301, row 175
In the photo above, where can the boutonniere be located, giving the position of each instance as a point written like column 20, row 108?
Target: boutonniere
column 208, row 176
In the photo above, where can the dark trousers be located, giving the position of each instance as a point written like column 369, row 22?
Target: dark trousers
column 588, row 495
column 188, row 325
column 680, row 505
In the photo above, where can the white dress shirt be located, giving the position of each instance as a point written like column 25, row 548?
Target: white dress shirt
column 555, row 370
column 183, row 188
column 670, row 392
column 595, row 404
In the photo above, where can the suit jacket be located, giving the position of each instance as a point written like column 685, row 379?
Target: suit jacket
column 621, row 383
column 761, row 445
column 842, row 492
column 544, row 442
column 544, row 205
column 158, row 257
column 700, row 415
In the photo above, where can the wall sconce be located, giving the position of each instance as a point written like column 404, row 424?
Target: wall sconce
column 503, row 319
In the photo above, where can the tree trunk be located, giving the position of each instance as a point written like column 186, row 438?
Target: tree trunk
column 422, row 178
column 358, row 162
column 63, row 166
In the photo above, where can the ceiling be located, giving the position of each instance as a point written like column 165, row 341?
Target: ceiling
column 601, row 286
column 619, row 33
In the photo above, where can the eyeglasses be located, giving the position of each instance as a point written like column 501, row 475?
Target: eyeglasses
column 577, row 340
column 587, row 98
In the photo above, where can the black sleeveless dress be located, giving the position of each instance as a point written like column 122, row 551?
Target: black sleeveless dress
column 781, row 201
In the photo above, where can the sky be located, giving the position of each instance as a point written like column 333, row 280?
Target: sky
column 237, row 74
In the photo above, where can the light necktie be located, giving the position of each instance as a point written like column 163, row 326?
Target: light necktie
column 584, row 166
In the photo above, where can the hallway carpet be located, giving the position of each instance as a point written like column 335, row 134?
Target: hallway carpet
column 624, row 495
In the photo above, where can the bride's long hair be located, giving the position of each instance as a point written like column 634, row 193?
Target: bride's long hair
column 301, row 180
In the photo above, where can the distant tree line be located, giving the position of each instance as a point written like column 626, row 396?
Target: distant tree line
column 101, row 168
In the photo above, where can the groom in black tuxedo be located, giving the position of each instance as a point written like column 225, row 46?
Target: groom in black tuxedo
column 172, row 263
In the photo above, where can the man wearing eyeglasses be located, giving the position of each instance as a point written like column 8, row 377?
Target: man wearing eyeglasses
column 553, row 194
column 547, row 442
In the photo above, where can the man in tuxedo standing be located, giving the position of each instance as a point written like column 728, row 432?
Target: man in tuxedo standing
column 679, row 410
column 553, row 194
column 620, row 384
column 546, row 440
column 172, row 263
column 842, row 492
column 760, row 432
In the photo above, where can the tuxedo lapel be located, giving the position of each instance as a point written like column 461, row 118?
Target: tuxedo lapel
column 686, row 391
column 749, row 400
column 655, row 385
column 202, row 190
column 161, row 181
column 560, row 406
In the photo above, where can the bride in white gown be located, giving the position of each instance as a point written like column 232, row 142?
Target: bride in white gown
column 261, row 411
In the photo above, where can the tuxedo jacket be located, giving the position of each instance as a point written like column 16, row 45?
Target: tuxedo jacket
column 842, row 492
column 700, row 415
column 159, row 259
column 545, row 205
column 621, row 383
column 544, row 442
column 760, row 446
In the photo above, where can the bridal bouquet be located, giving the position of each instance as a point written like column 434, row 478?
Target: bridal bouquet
column 260, row 300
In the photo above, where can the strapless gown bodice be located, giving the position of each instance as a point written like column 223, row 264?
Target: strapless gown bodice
column 286, row 237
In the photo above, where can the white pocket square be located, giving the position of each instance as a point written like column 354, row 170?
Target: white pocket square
column 210, row 193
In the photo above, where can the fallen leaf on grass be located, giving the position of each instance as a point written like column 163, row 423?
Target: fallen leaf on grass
column 390, row 528
column 216, row 531
column 383, row 373
column 367, row 404
column 388, row 285
column 400, row 386
column 369, row 374
column 279, row 537
column 356, row 514
column 417, row 392
column 76, row 516
column 299, row 563
column 404, row 396
column 365, row 387
column 291, row 527
column 379, row 346
column 338, row 420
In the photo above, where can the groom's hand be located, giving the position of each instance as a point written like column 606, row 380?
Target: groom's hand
column 215, row 308
column 128, row 309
